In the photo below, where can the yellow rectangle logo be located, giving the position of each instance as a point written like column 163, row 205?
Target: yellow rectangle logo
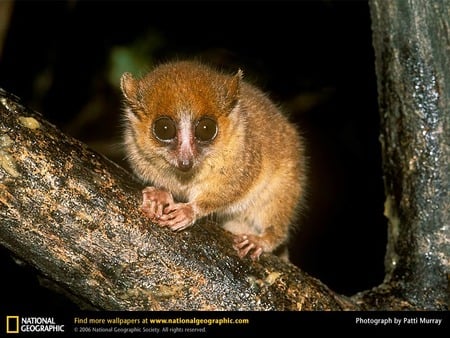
column 12, row 324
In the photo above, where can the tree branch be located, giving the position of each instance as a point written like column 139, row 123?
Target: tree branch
column 73, row 215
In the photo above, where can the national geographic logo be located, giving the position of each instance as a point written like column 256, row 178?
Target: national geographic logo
column 16, row 324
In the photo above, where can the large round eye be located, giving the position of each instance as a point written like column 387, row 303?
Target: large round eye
column 206, row 129
column 164, row 129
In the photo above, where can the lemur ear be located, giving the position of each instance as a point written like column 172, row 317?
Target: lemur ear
column 128, row 86
column 233, row 90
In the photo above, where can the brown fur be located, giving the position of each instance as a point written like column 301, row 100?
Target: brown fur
column 252, row 175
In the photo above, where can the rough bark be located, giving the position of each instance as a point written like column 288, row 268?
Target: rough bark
column 412, row 50
column 73, row 215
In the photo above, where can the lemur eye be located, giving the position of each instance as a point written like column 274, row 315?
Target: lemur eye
column 164, row 129
column 205, row 129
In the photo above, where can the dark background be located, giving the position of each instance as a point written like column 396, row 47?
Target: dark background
column 315, row 59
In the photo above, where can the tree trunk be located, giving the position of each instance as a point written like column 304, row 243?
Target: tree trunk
column 74, row 216
column 412, row 55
